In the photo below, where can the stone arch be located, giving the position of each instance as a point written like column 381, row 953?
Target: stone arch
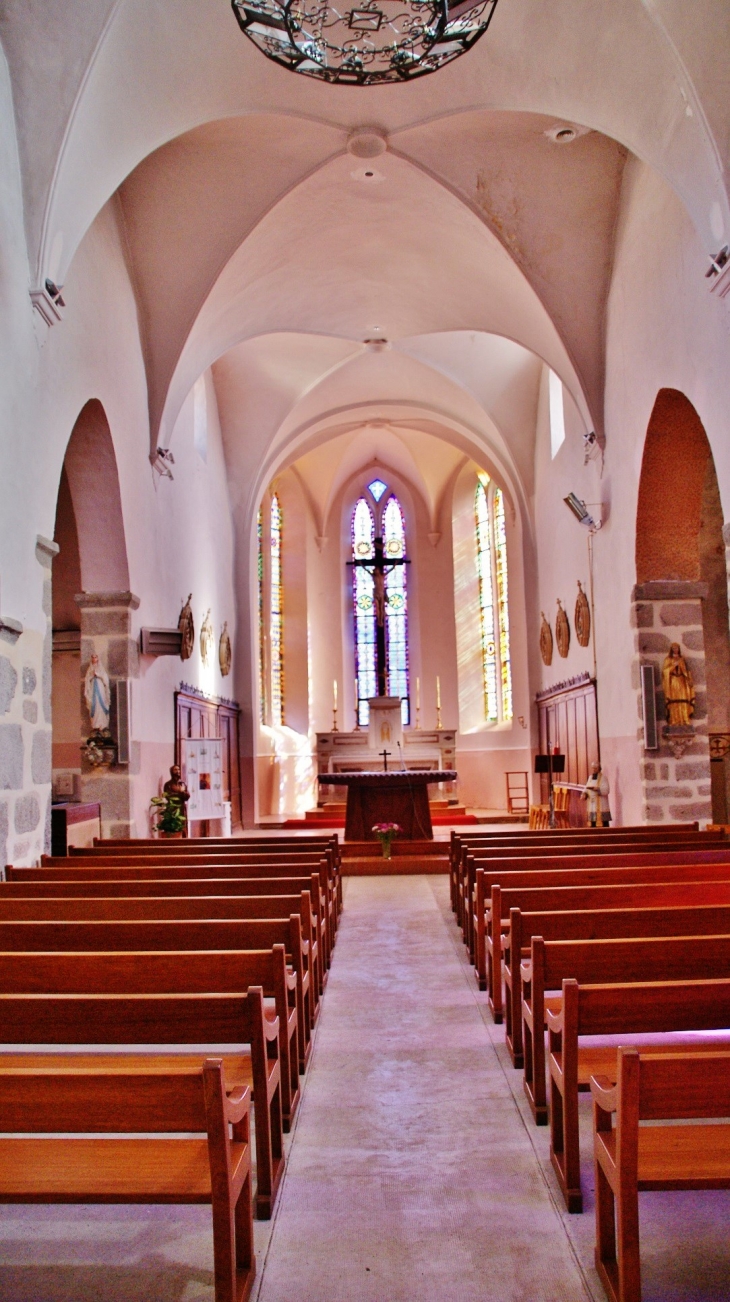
column 90, row 467
column 681, row 596
column 91, row 606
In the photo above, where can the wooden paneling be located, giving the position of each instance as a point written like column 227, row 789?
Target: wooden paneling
column 207, row 716
column 568, row 719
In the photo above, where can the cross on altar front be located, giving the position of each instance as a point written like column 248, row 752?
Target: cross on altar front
column 379, row 568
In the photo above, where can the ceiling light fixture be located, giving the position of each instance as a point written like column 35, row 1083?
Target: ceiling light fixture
column 370, row 43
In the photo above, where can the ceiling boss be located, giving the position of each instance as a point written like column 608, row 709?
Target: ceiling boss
column 366, row 44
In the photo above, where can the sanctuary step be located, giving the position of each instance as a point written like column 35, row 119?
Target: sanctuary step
column 363, row 859
column 453, row 815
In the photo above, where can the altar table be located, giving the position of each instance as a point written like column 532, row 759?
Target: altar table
column 398, row 796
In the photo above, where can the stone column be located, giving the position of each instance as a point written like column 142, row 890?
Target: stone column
column 676, row 777
column 106, row 620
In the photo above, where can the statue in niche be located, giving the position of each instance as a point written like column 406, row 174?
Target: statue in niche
column 546, row 641
column 562, row 631
column 679, row 690
column 224, row 651
column 207, row 638
column 97, row 695
column 186, row 628
column 582, row 619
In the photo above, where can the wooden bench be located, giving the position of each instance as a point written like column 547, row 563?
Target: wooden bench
column 182, row 972
column 587, row 870
column 324, row 901
column 603, row 962
column 111, row 908
column 481, row 843
column 171, row 1019
column 554, row 843
column 579, row 860
column 561, row 898
column 587, row 924
column 251, row 934
column 629, row 1159
column 211, row 1168
column 650, row 1007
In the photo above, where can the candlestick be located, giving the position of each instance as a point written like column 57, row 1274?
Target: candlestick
column 334, row 707
column 438, row 701
column 418, row 704
column 357, row 706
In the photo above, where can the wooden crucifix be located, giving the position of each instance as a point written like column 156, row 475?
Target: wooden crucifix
column 385, row 754
column 379, row 568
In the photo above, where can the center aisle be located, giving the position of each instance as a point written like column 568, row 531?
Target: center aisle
column 410, row 1174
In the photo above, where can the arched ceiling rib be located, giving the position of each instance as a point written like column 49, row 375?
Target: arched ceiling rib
column 346, row 258
column 98, row 88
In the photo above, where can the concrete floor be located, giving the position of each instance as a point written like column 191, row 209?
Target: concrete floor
column 414, row 1169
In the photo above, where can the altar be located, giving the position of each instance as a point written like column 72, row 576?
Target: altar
column 399, row 796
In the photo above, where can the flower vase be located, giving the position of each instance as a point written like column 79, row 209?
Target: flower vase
column 387, row 852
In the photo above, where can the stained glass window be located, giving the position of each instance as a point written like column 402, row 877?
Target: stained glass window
column 262, row 648
column 363, row 548
column 493, row 601
column 396, row 610
column 276, row 636
column 500, row 556
column 377, row 488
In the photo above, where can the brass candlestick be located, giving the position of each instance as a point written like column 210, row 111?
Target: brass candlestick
column 334, row 719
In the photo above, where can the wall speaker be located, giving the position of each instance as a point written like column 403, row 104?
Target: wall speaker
column 124, row 722
column 648, row 706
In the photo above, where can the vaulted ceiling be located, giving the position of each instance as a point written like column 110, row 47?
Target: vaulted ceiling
column 258, row 243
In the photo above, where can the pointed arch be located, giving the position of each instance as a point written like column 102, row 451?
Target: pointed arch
column 363, row 548
column 396, row 617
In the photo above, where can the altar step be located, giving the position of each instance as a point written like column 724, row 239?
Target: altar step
column 332, row 814
column 365, row 859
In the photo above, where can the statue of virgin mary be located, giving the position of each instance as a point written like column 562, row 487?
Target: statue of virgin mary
column 97, row 694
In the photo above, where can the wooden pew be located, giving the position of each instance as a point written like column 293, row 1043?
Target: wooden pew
column 261, row 903
column 579, row 855
column 481, row 843
column 649, row 1007
column 603, row 962
column 561, row 898
column 256, row 934
column 323, row 899
column 172, row 1019
column 587, row 924
column 184, row 972
column 629, row 1159
column 214, row 1168
column 586, row 870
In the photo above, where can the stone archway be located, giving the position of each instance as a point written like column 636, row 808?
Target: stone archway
column 681, row 596
column 92, row 608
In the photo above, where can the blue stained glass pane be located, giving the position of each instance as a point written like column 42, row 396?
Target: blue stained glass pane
column 377, row 488
column 363, row 548
column 396, row 610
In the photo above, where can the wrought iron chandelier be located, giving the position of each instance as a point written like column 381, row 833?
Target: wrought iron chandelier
column 367, row 44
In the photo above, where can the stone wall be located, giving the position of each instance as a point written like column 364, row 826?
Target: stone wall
column 25, row 730
column 675, row 786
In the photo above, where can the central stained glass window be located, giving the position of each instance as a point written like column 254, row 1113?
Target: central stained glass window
column 363, row 531
column 276, row 626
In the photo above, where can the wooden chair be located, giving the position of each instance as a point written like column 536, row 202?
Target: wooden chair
column 170, row 1020
column 629, row 1158
column 652, row 1007
column 215, row 1168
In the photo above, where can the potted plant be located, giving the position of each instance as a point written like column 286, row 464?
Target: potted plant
column 385, row 833
column 170, row 812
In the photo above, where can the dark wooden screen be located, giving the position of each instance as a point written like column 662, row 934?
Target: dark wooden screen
column 197, row 715
column 568, row 719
